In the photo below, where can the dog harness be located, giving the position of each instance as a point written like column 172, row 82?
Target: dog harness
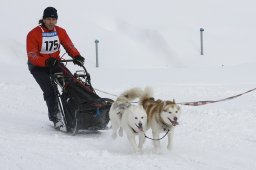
column 160, row 121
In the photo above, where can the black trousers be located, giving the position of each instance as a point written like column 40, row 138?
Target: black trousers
column 42, row 77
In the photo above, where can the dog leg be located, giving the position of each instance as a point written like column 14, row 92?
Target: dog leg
column 132, row 141
column 114, row 132
column 170, row 136
column 156, row 142
column 141, row 141
column 121, row 132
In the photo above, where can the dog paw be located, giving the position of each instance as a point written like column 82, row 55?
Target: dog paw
column 169, row 147
column 121, row 133
column 139, row 151
column 114, row 136
column 157, row 151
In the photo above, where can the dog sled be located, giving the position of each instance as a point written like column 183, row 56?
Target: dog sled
column 80, row 106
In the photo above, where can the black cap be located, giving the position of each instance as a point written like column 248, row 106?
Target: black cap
column 50, row 12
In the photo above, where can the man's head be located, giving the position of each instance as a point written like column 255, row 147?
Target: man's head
column 50, row 12
column 50, row 17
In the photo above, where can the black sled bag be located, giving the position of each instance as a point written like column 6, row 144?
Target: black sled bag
column 83, row 108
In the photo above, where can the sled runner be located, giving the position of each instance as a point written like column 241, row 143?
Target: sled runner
column 81, row 107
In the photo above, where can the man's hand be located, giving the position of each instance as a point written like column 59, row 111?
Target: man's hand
column 79, row 60
column 51, row 62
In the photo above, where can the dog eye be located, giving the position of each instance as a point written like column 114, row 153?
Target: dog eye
column 170, row 112
column 136, row 118
column 176, row 111
column 142, row 117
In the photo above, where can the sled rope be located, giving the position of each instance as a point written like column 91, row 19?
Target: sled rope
column 159, row 138
column 106, row 92
column 199, row 103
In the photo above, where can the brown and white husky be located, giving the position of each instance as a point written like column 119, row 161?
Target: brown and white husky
column 162, row 116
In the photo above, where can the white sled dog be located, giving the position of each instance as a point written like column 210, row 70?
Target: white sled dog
column 128, row 117
column 162, row 116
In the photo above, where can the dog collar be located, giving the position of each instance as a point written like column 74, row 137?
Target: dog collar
column 165, row 126
column 162, row 123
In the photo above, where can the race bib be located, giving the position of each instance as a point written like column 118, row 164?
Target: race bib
column 50, row 42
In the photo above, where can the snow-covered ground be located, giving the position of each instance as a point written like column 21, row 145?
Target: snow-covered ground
column 142, row 43
column 214, row 136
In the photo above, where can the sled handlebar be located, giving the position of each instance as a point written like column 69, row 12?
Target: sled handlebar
column 64, row 61
column 71, row 60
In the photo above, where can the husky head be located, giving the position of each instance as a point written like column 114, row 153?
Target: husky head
column 137, row 118
column 170, row 113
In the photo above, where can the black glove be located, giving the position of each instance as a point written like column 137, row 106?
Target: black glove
column 79, row 60
column 51, row 62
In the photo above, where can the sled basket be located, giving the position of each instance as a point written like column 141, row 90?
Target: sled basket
column 81, row 107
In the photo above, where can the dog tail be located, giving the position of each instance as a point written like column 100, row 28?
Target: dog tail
column 147, row 93
column 131, row 94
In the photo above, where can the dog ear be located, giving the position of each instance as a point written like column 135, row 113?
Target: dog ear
column 151, row 99
column 124, row 106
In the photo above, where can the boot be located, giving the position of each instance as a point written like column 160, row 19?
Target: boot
column 57, row 122
column 53, row 108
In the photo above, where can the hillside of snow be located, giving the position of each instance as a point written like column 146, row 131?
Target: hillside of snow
column 164, row 33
